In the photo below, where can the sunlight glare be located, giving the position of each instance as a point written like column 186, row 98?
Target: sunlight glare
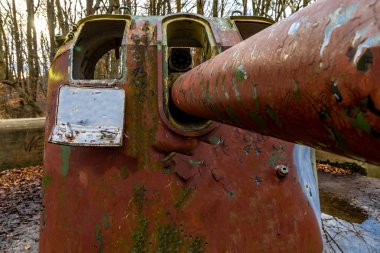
column 40, row 24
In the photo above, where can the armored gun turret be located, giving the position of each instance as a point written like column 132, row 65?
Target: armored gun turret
column 176, row 133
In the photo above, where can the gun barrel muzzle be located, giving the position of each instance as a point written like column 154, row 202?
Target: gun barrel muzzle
column 313, row 78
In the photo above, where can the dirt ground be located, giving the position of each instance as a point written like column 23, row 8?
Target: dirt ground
column 346, row 196
column 359, row 191
column 20, row 208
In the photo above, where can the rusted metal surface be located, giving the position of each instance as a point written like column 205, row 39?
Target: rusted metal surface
column 310, row 79
column 168, row 189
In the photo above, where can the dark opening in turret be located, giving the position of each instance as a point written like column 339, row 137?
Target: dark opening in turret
column 188, row 44
column 98, row 51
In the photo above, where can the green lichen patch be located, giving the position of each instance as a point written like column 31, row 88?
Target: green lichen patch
column 46, row 180
column 296, row 90
column 139, row 197
column 124, row 173
column 257, row 119
column 237, row 93
column 215, row 140
column 335, row 135
column 140, row 236
column 255, row 97
column 196, row 245
column 273, row 115
column 106, row 221
column 65, row 159
column 365, row 61
column 277, row 156
column 194, row 163
column 241, row 74
column 232, row 115
column 358, row 120
column 181, row 199
column 169, row 238
column 99, row 238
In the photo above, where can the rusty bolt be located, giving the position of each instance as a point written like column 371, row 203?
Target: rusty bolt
column 70, row 35
column 281, row 170
column 69, row 132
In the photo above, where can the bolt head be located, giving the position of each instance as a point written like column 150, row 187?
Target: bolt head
column 281, row 170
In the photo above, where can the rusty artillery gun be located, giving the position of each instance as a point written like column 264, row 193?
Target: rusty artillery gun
column 151, row 156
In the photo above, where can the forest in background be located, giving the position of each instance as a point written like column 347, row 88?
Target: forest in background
column 28, row 30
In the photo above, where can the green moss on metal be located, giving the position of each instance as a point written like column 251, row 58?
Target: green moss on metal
column 181, row 199
column 194, row 163
column 215, row 140
column 106, row 221
column 323, row 114
column 196, row 245
column 138, row 197
column 217, row 86
column 169, row 239
column 142, row 105
column 335, row 135
column 99, row 238
column 224, row 87
column 365, row 61
column 273, row 115
column 208, row 95
column 237, row 94
column 231, row 113
column 124, row 173
column 167, row 170
column 361, row 122
column 255, row 97
column 213, row 107
column 140, row 236
column 277, row 155
column 65, row 159
column 358, row 120
column 46, row 180
column 296, row 90
column 257, row 119
column 240, row 74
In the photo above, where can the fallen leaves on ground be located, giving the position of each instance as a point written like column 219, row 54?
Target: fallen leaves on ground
column 20, row 209
column 333, row 170
column 14, row 177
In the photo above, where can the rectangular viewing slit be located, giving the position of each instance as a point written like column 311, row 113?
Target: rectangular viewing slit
column 98, row 53
column 247, row 27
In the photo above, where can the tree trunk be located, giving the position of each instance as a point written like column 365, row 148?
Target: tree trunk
column 50, row 14
column 32, row 51
column 178, row 6
column 244, row 2
column 200, row 4
column 4, row 51
column 63, row 27
column 169, row 7
column 215, row 8
column 17, row 42
column 89, row 9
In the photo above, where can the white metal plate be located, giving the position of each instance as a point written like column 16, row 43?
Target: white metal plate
column 89, row 117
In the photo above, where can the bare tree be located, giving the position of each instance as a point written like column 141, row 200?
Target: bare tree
column 200, row 7
column 31, row 41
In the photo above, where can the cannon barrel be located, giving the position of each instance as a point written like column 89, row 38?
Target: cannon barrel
column 313, row 78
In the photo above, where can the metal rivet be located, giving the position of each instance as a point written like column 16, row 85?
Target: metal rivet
column 281, row 170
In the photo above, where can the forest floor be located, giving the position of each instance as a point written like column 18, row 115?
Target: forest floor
column 350, row 204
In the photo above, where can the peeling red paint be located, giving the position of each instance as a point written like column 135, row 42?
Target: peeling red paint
column 311, row 79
